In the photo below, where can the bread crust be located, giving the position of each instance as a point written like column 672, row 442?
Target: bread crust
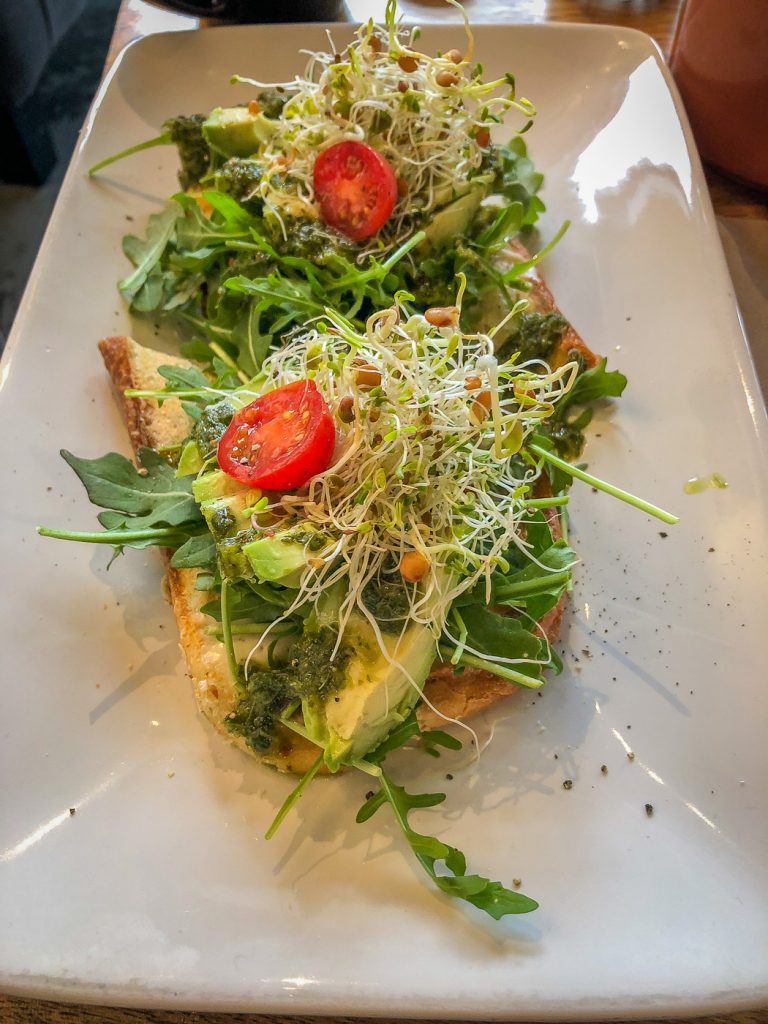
column 447, row 694
column 152, row 425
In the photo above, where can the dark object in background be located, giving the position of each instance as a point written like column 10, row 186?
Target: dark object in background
column 29, row 32
column 48, row 119
column 261, row 10
column 719, row 57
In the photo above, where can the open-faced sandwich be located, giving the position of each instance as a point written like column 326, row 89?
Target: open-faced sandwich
column 359, row 467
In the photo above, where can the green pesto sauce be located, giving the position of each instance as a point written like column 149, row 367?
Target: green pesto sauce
column 313, row 241
column 537, row 335
column 221, row 522
column 212, row 423
column 239, row 177
column 272, row 102
column 186, row 133
column 568, row 440
column 314, row 541
column 306, row 670
column 232, row 561
column 388, row 603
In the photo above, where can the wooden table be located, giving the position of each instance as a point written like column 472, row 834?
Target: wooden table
column 138, row 18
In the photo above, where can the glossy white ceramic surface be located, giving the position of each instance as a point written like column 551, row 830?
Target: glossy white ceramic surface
column 160, row 889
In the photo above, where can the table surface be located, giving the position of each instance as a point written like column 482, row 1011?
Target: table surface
column 138, row 18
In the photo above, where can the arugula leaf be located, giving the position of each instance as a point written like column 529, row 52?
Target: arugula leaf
column 232, row 213
column 491, row 897
column 593, row 384
column 251, row 341
column 145, row 253
column 143, row 506
column 517, row 179
column 244, row 606
column 196, row 553
column 148, row 496
column 433, row 738
column 294, row 795
column 196, row 231
column 408, row 729
column 185, row 378
column 494, row 635
column 535, row 588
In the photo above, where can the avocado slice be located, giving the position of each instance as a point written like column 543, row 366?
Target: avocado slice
column 452, row 221
column 190, row 460
column 218, row 484
column 376, row 695
column 225, row 504
column 282, row 557
column 234, row 131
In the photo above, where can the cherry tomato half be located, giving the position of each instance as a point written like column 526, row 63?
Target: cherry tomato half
column 281, row 440
column 355, row 188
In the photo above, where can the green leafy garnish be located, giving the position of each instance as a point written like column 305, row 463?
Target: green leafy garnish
column 493, row 898
column 594, row 384
column 444, row 864
column 145, row 506
column 566, row 468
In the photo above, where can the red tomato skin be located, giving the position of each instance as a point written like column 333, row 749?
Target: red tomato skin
column 355, row 188
column 281, row 457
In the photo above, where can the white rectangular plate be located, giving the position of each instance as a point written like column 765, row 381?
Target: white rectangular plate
column 160, row 889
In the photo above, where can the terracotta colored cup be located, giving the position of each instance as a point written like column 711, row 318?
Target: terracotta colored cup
column 719, row 57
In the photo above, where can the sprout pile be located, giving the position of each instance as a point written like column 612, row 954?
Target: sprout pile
column 429, row 483
column 430, row 116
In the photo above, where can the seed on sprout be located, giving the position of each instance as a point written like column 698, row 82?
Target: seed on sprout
column 407, row 63
column 375, row 43
column 473, row 383
column 366, row 376
column 481, row 406
column 315, row 563
column 413, row 566
column 442, row 316
column 445, row 79
column 454, row 55
column 402, row 187
column 346, row 409
column 482, row 137
column 254, row 107
column 374, row 414
column 402, row 86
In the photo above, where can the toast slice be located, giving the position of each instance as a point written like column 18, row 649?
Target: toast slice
column 453, row 695
column 130, row 365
